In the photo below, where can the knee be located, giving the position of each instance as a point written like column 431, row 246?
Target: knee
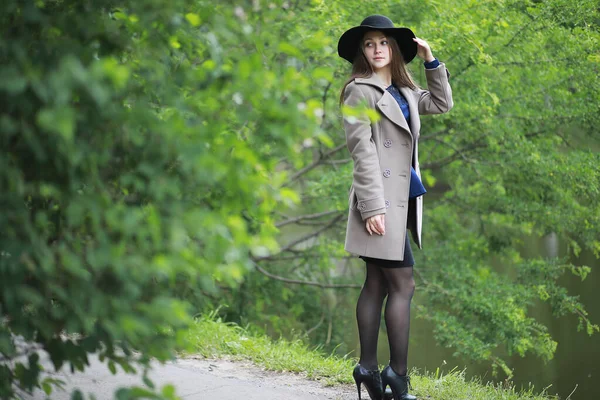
column 405, row 287
column 410, row 286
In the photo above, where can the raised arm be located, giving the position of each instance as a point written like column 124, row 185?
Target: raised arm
column 437, row 99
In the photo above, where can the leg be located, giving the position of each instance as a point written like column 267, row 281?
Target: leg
column 401, row 286
column 368, row 315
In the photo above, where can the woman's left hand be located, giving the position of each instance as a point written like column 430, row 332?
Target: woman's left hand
column 423, row 50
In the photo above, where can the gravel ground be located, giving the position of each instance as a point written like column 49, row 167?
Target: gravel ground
column 203, row 379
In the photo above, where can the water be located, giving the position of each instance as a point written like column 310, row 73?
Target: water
column 576, row 364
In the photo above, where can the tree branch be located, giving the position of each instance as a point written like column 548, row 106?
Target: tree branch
column 426, row 283
column 324, row 100
column 459, row 153
column 430, row 136
column 315, row 164
column 297, row 255
column 305, row 237
column 305, row 217
column 531, row 61
column 336, row 162
column 314, row 328
column 308, row 283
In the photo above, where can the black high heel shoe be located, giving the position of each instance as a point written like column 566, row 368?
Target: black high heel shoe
column 371, row 379
column 398, row 383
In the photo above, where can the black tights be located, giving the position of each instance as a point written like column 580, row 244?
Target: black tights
column 398, row 285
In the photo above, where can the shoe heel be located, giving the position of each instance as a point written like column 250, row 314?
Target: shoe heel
column 358, row 388
column 385, row 385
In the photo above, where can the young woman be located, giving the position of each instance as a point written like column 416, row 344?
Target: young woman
column 385, row 198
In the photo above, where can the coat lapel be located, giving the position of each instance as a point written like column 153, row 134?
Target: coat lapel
column 387, row 104
column 415, row 121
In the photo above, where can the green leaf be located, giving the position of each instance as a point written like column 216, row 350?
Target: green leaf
column 47, row 388
column 112, row 367
column 77, row 395
column 60, row 121
column 428, row 177
column 169, row 391
column 148, row 382
column 193, row 19
column 289, row 49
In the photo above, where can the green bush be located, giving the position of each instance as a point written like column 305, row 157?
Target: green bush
column 138, row 142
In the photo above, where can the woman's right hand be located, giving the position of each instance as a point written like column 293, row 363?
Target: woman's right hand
column 376, row 224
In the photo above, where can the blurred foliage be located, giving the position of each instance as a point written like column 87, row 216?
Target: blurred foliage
column 156, row 157
column 140, row 142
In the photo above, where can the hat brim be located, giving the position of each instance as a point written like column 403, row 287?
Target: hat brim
column 349, row 41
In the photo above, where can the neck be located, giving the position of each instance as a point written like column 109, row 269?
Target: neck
column 385, row 74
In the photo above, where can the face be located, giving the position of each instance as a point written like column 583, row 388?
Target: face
column 377, row 50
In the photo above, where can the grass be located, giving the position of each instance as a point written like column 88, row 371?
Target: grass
column 212, row 338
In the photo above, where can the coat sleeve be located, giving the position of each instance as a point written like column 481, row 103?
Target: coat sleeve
column 438, row 98
column 368, row 182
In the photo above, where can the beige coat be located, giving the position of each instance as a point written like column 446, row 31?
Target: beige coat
column 381, row 152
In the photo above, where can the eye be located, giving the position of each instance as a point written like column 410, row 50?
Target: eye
column 368, row 44
column 385, row 42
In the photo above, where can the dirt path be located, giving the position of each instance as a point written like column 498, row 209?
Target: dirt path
column 204, row 379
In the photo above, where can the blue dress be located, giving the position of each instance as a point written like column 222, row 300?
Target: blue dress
column 416, row 186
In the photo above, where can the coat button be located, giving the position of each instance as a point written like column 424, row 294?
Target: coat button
column 387, row 204
column 362, row 206
column 387, row 173
column 387, row 143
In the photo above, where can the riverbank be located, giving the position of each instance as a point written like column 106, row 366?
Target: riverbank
column 212, row 339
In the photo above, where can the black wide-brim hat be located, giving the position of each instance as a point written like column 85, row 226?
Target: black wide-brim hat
column 349, row 42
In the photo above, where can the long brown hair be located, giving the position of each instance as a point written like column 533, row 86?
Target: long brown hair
column 362, row 69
